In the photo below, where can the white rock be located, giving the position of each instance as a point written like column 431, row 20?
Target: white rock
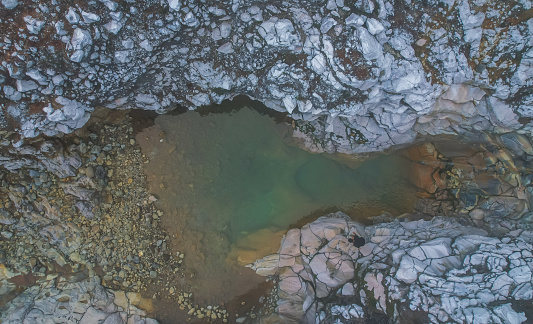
column 370, row 47
column 190, row 20
column 355, row 20
column 520, row 274
column 77, row 56
column 318, row 63
column 356, row 311
column 226, row 48
column 201, row 99
column 81, row 39
column 290, row 103
column 72, row 16
column 437, row 248
column 93, row 315
column 145, row 44
column 305, row 106
column 89, row 17
column 113, row 26
column 327, row 24
column 111, row 5
column 374, row 26
column 266, row 266
column 502, row 285
column 122, row 56
column 128, row 43
column 116, row 16
column 523, row 292
column 278, row 32
column 225, row 29
column 477, row 315
column 290, row 245
column 508, row 315
column 174, row 5
column 24, row 86
column 407, row 272
column 36, row 75
column 9, row 4
column 34, row 26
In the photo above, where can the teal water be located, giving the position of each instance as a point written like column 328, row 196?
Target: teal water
column 237, row 173
column 228, row 183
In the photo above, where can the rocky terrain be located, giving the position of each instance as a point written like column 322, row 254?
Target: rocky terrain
column 361, row 76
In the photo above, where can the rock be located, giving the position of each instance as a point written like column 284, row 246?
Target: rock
column 9, row 4
column 72, row 17
column 226, row 48
column 93, row 315
column 34, row 26
column 25, row 86
column 122, row 56
column 174, row 5
column 114, row 318
column 114, row 27
column 81, row 39
column 508, row 315
column 374, row 26
column 370, row 47
column 89, row 17
column 290, row 285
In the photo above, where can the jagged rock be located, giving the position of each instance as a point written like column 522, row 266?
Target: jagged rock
column 425, row 260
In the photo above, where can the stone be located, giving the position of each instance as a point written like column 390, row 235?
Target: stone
column 174, row 5
column 370, row 47
column 81, row 39
column 122, row 56
column 508, row 315
column 25, row 86
column 93, row 315
column 114, row 318
column 33, row 25
column 114, row 27
column 72, row 17
column 407, row 271
column 89, row 17
column 290, row 244
column 374, row 26
column 9, row 4
column 290, row 285
column 226, row 48
column 520, row 274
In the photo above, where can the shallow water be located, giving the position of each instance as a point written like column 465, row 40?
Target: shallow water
column 222, row 177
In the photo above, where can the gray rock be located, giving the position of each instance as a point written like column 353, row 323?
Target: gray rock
column 9, row 4
column 34, row 26
column 89, row 17
column 25, row 86
column 72, row 17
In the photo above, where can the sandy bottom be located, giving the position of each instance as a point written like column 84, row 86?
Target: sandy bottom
column 230, row 184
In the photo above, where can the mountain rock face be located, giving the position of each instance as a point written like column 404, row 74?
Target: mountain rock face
column 361, row 75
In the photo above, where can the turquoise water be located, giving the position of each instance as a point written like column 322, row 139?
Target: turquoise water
column 228, row 184
column 237, row 173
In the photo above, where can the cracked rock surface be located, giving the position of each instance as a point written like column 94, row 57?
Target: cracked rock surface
column 359, row 75
column 452, row 272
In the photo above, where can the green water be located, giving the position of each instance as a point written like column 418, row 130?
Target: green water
column 236, row 173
